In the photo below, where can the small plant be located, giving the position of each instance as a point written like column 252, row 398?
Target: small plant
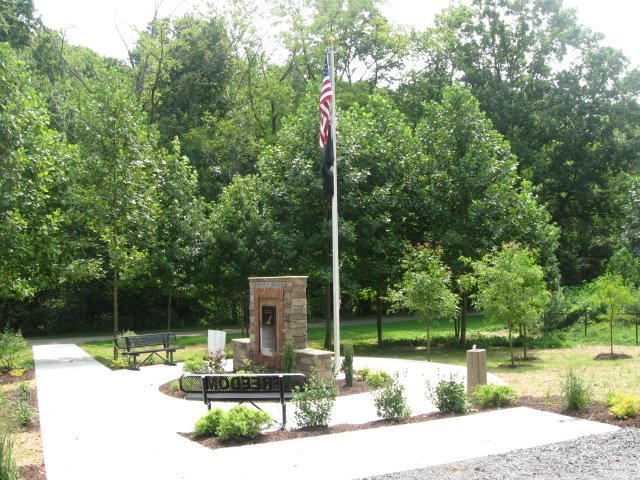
column 315, row 403
column 347, row 364
column 174, row 385
column 23, row 413
column 449, row 395
column 23, row 391
column 208, row 425
column 391, row 402
column 378, row 379
column 195, row 364
column 624, row 406
column 495, row 395
column 363, row 373
column 577, row 393
column 17, row 372
column 11, row 343
column 7, row 462
column 288, row 356
column 217, row 362
column 248, row 366
column 241, row 422
column 119, row 362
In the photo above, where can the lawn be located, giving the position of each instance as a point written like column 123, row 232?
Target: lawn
column 405, row 339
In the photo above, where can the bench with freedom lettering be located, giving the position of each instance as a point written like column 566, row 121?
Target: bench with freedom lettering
column 243, row 388
column 150, row 345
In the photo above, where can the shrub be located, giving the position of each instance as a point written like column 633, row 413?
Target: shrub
column 495, row 395
column 391, row 402
column 577, row 393
column 288, row 357
column 216, row 362
column 347, row 364
column 7, row 462
column 11, row 343
column 241, row 422
column 249, row 367
column 378, row 379
column 449, row 395
column 195, row 364
column 363, row 373
column 208, row 425
column 624, row 406
column 315, row 403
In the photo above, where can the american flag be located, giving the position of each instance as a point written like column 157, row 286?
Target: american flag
column 326, row 95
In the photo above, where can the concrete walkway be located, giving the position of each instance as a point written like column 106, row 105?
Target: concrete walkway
column 102, row 424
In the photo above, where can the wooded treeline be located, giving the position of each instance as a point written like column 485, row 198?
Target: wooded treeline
column 142, row 194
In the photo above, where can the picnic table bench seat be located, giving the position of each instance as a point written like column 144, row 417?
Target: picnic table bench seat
column 150, row 344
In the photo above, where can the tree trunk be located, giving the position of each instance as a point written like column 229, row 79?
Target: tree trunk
column 428, row 323
column 511, row 342
column 463, row 317
column 329, row 315
column 169, row 309
column 115, row 311
column 379, row 312
column 524, row 338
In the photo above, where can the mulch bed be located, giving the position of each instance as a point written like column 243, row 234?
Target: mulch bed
column 27, row 472
column 597, row 412
column 612, row 356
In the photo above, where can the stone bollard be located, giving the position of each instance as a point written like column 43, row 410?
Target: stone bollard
column 476, row 368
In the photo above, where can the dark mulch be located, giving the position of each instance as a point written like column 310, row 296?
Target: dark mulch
column 612, row 356
column 597, row 412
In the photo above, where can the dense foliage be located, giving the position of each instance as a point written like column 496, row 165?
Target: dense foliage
column 141, row 194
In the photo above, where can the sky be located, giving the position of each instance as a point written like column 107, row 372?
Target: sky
column 106, row 26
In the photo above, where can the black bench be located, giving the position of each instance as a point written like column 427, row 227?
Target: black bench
column 243, row 388
column 134, row 345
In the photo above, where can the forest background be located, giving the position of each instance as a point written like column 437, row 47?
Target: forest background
column 141, row 194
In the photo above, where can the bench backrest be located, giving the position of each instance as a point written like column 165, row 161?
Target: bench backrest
column 149, row 340
column 239, row 384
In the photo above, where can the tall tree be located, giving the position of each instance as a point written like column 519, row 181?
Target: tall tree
column 120, row 175
column 36, row 188
column 473, row 199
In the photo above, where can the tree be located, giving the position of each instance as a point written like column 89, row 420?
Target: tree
column 511, row 289
column 610, row 293
column 120, row 199
column 567, row 105
column 426, row 287
column 36, row 188
column 470, row 199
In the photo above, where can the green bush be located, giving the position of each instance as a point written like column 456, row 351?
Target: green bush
column 288, row 357
column 347, row 364
column 315, row 403
column 208, row 425
column 7, row 462
column 363, row 373
column 576, row 392
column 495, row 395
column 195, row 364
column 624, row 406
column 23, row 391
column 390, row 401
column 378, row 379
column 449, row 395
column 11, row 343
column 242, row 422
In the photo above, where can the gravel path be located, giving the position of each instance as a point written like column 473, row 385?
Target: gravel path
column 608, row 456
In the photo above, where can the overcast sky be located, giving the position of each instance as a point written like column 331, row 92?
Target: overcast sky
column 103, row 24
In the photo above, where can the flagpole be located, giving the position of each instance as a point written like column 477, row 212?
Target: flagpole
column 334, row 223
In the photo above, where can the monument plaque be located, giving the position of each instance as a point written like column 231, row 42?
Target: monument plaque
column 268, row 344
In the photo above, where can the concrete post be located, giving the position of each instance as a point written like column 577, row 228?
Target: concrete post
column 476, row 368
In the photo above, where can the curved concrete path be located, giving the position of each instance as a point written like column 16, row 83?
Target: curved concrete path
column 102, row 424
